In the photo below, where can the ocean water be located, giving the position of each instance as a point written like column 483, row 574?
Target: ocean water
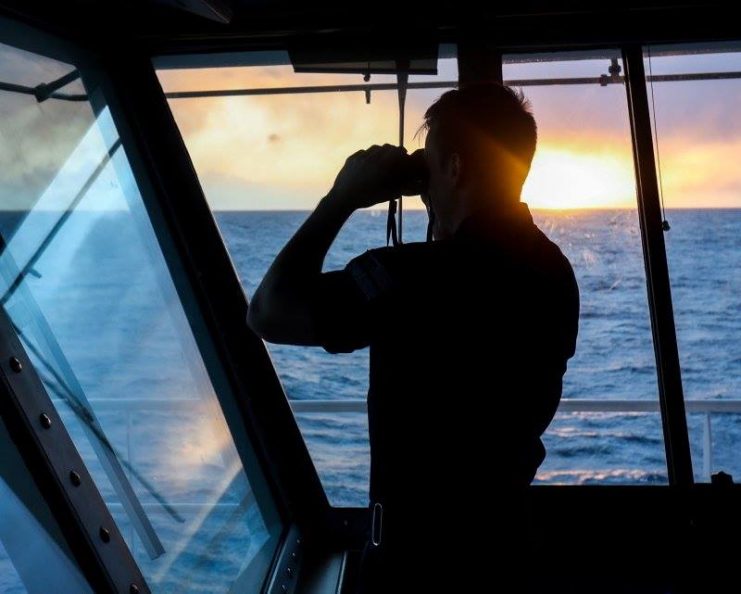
column 614, row 358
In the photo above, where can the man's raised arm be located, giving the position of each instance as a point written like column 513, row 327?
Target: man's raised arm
column 282, row 309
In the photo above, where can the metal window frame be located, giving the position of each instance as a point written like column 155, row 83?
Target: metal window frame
column 60, row 473
column 118, row 572
column 69, row 384
column 671, row 396
column 36, row 427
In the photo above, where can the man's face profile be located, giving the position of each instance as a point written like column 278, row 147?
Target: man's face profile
column 440, row 187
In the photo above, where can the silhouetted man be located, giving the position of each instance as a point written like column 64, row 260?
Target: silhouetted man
column 469, row 337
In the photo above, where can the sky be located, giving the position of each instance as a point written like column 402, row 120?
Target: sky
column 284, row 151
column 279, row 152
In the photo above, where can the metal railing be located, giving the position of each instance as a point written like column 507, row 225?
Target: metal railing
column 574, row 405
column 707, row 408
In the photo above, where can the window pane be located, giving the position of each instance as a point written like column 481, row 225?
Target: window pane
column 581, row 190
column 264, row 162
column 91, row 296
column 33, row 552
column 698, row 144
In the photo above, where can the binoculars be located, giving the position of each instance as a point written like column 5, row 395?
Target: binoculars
column 415, row 176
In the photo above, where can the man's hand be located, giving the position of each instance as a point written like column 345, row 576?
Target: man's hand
column 370, row 177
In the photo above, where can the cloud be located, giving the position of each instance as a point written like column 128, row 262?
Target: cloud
column 296, row 141
column 36, row 139
column 228, row 192
column 700, row 174
column 701, row 110
column 296, row 144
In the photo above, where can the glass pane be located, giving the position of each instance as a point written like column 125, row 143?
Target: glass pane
column 264, row 162
column 581, row 189
column 33, row 553
column 91, row 296
column 698, row 144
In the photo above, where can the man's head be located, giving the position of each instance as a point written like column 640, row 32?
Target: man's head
column 479, row 146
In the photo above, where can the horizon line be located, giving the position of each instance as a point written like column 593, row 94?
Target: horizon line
column 373, row 210
column 534, row 208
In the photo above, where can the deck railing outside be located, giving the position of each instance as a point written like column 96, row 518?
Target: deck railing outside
column 707, row 408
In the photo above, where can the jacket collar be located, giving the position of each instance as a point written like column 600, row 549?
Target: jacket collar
column 496, row 222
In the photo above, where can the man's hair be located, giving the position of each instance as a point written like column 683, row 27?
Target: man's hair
column 490, row 125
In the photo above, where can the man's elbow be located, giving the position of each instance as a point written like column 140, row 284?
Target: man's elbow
column 258, row 320
column 276, row 325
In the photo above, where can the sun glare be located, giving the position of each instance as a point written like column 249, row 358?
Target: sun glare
column 563, row 178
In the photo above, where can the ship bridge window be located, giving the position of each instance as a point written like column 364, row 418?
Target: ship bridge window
column 120, row 351
column 694, row 92
column 581, row 190
column 267, row 143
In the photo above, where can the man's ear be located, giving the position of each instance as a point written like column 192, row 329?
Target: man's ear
column 455, row 168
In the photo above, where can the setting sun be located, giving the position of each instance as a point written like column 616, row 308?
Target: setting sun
column 564, row 178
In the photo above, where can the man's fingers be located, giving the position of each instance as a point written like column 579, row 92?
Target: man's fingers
column 394, row 147
column 385, row 156
column 355, row 155
column 385, row 149
column 374, row 151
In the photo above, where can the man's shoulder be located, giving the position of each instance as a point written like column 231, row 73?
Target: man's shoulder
column 553, row 258
column 403, row 256
column 415, row 249
column 394, row 269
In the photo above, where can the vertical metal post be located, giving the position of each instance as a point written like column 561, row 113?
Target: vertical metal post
column 478, row 62
column 48, row 451
column 671, row 398
column 707, row 448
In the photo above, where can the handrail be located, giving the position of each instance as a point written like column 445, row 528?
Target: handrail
column 357, row 405
column 570, row 405
column 602, row 80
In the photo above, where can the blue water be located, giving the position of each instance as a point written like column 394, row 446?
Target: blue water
column 614, row 358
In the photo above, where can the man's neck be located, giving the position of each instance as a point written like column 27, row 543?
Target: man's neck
column 489, row 206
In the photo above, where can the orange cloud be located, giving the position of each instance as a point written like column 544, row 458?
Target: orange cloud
column 700, row 175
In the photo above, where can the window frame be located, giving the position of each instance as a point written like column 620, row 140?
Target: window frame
column 61, row 475
column 106, row 560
